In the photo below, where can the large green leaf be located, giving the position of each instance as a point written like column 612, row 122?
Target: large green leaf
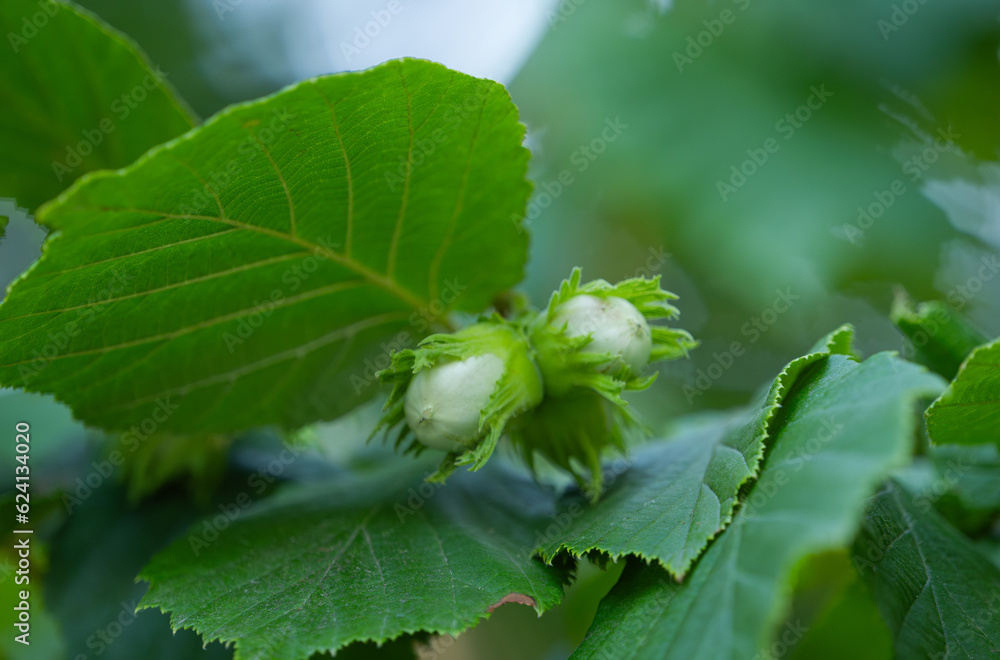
column 938, row 594
column 261, row 267
column 838, row 435
column 77, row 96
column 968, row 413
column 363, row 559
column 680, row 492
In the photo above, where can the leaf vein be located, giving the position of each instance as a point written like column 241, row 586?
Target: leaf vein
column 398, row 230
column 459, row 202
column 276, row 358
column 347, row 166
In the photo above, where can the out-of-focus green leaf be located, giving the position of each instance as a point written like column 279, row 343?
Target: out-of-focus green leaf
column 198, row 461
column 363, row 559
column 968, row 413
column 41, row 639
column 56, row 439
column 849, row 627
column 91, row 589
column 77, row 96
column 952, row 479
column 941, row 337
column 259, row 269
column 678, row 493
column 837, row 437
column 832, row 615
column 938, row 594
column 699, row 97
column 397, row 649
column 973, row 473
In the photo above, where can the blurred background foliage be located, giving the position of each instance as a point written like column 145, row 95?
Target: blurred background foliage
column 638, row 113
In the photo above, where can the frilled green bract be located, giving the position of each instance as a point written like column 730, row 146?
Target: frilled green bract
column 584, row 411
column 572, row 432
column 567, row 364
column 558, row 397
column 519, row 389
